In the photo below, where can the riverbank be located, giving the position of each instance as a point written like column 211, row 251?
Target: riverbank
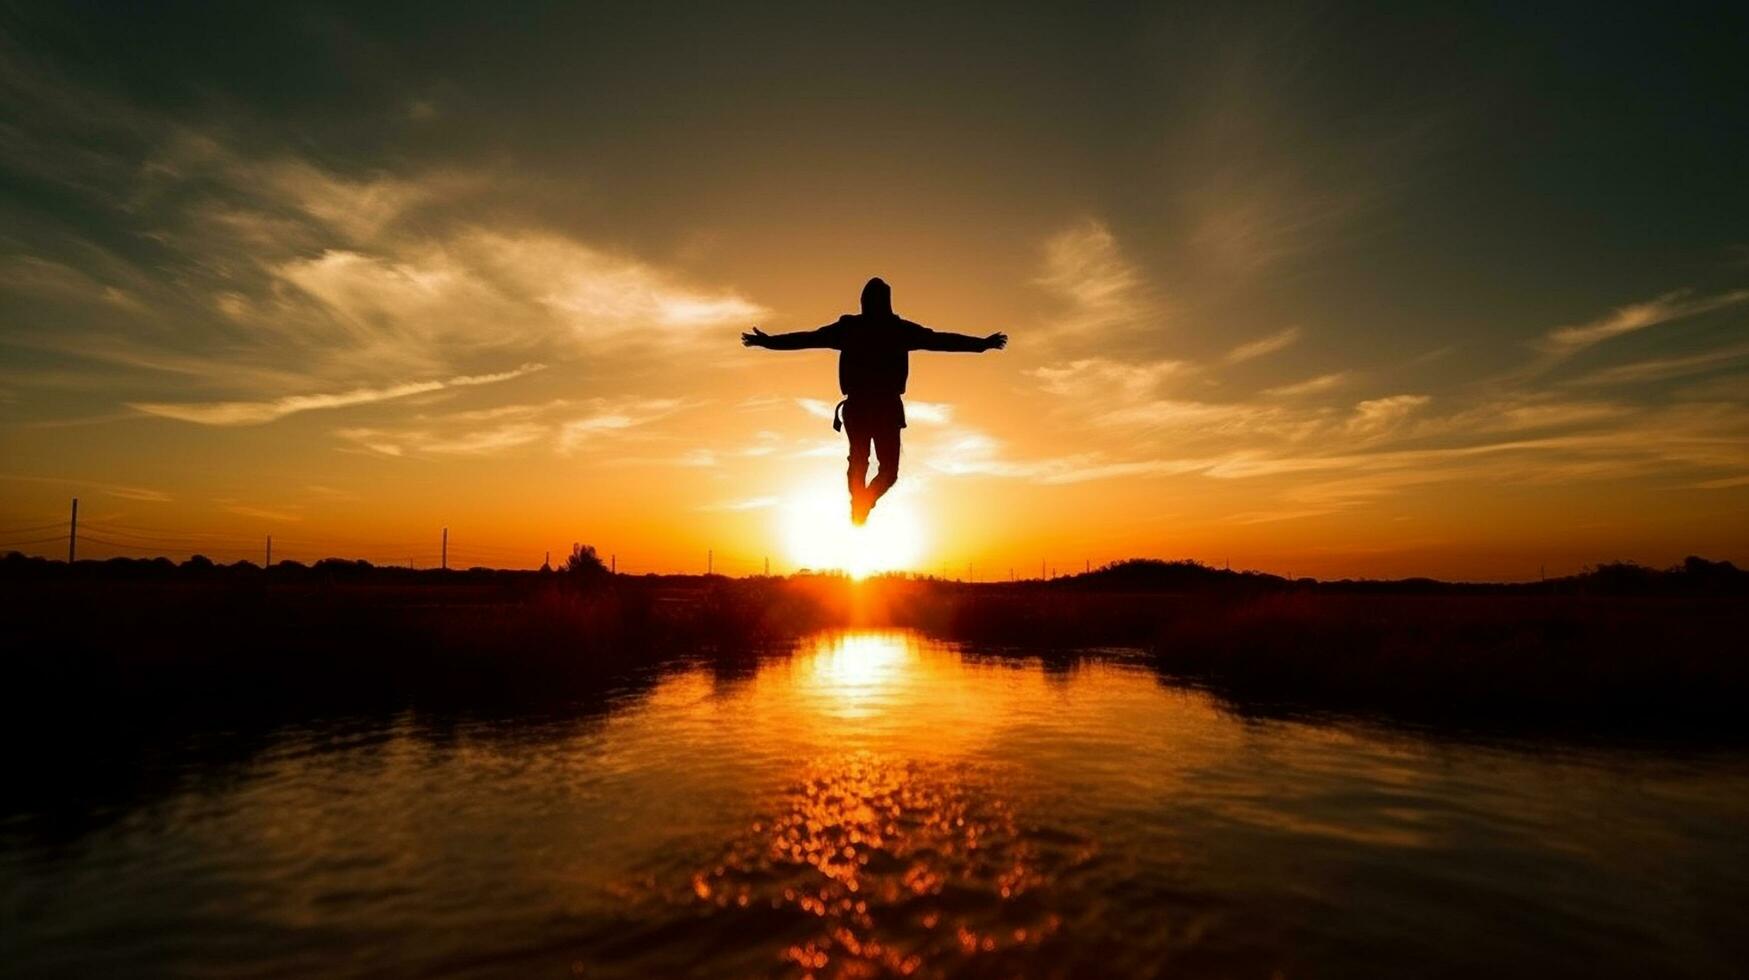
column 137, row 638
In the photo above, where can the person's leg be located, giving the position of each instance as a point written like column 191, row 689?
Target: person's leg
column 857, row 475
column 886, row 447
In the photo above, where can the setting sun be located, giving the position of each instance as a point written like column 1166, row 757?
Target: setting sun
column 818, row 535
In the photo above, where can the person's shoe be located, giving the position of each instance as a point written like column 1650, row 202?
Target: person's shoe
column 859, row 506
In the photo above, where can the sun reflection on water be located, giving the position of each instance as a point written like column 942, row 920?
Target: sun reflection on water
column 855, row 665
column 895, row 824
column 877, row 865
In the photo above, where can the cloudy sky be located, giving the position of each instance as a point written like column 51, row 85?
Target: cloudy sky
column 1322, row 290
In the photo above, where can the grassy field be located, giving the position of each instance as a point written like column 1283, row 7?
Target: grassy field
column 1622, row 648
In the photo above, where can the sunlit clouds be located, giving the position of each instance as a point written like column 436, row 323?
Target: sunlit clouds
column 1100, row 293
column 1326, row 444
column 1379, row 416
column 1310, row 386
column 563, row 426
column 1272, row 296
column 1262, row 346
column 1675, row 305
column 250, row 413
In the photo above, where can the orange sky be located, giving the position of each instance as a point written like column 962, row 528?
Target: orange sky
column 1263, row 309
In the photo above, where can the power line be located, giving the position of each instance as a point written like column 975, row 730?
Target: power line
column 173, row 551
column 27, row 528
column 176, row 535
column 216, row 540
column 51, row 539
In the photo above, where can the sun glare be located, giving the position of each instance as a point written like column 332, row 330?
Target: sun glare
column 856, row 664
column 818, row 534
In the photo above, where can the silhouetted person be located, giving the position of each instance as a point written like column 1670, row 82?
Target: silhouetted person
column 874, row 362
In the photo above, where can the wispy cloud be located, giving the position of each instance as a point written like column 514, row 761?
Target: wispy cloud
column 1564, row 341
column 1103, row 379
column 514, row 411
column 46, row 277
column 263, row 513
column 744, row 504
column 141, row 494
column 1663, row 368
column 1249, row 517
column 691, row 459
column 1327, row 455
column 413, row 301
column 122, row 491
column 1322, row 459
column 818, row 408
column 1264, row 345
column 425, row 441
column 258, row 412
column 755, row 403
column 591, row 294
column 928, row 413
column 1100, row 290
column 1217, row 427
column 970, row 452
column 488, row 431
column 612, row 417
column 1378, row 416
column 1310, row 386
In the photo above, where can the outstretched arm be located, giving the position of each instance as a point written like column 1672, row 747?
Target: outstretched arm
column 819, row 338
column 964, row 343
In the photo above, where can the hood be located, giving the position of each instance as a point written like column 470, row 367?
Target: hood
column 877, row 298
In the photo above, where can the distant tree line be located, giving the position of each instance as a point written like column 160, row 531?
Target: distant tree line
column 1693, row 576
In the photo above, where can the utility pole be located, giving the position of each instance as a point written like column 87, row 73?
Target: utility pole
column 1041, row 569
column 73, row 531
column 710, row 561
column 547, row 562
column 614, row 566
column 269, row 562
column 968, row 571
column 443, row 555
column 1086, row 565
column 767, row 566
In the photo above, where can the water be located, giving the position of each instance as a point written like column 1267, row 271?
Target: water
column 879, row 804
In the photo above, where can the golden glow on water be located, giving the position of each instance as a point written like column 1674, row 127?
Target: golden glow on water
column 881, row 804
column 857, row 666
column 897, row 835
column 889, row 865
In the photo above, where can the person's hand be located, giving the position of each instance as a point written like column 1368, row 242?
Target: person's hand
column 754, row 338
column 996, row 341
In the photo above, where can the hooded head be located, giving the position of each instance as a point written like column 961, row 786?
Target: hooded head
column 877, row 298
